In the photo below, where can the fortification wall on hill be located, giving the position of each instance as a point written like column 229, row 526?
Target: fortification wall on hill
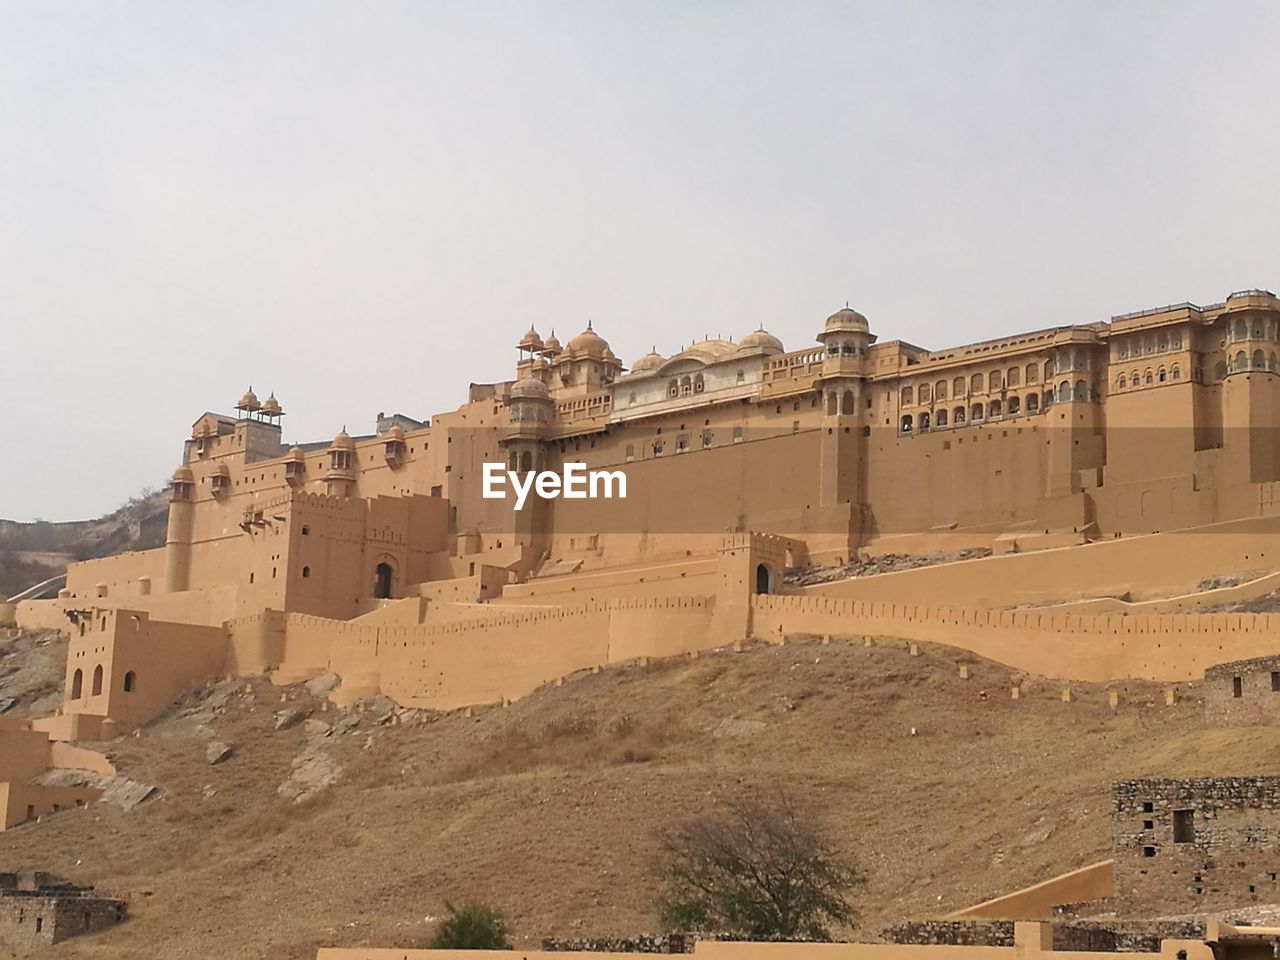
column 1156, row 565
column 1162, row 647
column 500, row 655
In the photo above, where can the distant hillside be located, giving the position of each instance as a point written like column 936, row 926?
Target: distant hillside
column 31, row 552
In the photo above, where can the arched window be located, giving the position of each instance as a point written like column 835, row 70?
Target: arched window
column 1015, row 404
column 1033, row 403
column 1161, row 375
column 940, row 390
column 846, row 402
column 1259, row 360
column 1147, row 376
column 1048, row 370
column 698, row 384
column 1082, row 390
column 924, row 420
column 673, row 388
column 975, row 413
column 957, row 387
column 993, row 409
column 1013, row 377
column 975, row 383
column 1064, row 391
column 833, row 403
column 129, row 679
column 1176, row 341
column 77, row 684
column 382, row 581
column 1033, row 373
column 994, row 381
column 1162, row 342
column 1242, row 329
column 906, row 424
column 1176, row 372
column 940, row 418
column 97, row 681
column 686, row 386
column 924, row 393
column 306, row 572
column 526, row 462
column 1047, row 400
column 1121, row 383
column 957, row 416
column 906, row 396
column 631, row 451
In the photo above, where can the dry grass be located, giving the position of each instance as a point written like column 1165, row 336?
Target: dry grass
column 549, row 809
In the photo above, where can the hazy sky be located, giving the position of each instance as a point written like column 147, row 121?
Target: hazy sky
column 361, row 206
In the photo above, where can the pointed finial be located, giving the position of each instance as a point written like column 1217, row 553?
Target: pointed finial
column 588, row 323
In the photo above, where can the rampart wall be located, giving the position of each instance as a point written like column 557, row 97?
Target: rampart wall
column 1155, row 565
column 1165, row 647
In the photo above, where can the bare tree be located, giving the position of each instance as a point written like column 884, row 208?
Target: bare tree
column 758, row 870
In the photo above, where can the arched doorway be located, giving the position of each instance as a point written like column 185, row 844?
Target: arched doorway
column 97, row 681
column 382, row 581
column 762, row 578
column 77, row 683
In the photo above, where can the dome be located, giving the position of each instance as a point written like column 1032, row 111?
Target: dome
column 530, row 388
column 343, row 441
column 650, row 361
column 221, row 470
column 551, row 346
column 271, row 407
column 395, row 433
column 249, row 401
column 761, row 339
column 846, row 321
column 588, row 343
column 183, row 475
column 530, row 341
column 295, row 453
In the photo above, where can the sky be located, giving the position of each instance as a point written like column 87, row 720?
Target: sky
column 361, row 206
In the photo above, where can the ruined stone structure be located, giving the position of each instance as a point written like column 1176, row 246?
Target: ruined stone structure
column 381, row 558
column 1243, row 693
column 42, row 910
column 1190, row 846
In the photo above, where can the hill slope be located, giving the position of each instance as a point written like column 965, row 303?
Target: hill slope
column 548, row 808
column 32, row 552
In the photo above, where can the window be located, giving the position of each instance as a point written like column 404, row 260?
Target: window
column 1237, row 687
column 737, row 434
column 1033, row 373
column 975, row 383
column 906, row 424
column 129, row 680
column 631, row 452
column 77, row 683
column 97, row 681
column 907, row 398
column 1148, row 851
column 1275, row 681
column 306, row 572
column 940, row 390
column 925, row 393
column 1184, row 828
column 1013, row 377
column 957, row 387
column 995, row 381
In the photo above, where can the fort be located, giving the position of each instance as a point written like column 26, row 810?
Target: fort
column 1086, row 457
column 1119, row 480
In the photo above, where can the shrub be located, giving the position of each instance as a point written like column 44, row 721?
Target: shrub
column 471, row 927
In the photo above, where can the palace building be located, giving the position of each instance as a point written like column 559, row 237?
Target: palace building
column 742, row 459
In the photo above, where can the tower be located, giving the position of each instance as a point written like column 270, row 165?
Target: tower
column 177, row 546
column 847, row 339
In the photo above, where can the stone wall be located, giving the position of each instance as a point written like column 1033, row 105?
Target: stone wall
column 1116, row 936
column 1243, row 693
column 1194, row 846
column 662, row 943
column 31, row 919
